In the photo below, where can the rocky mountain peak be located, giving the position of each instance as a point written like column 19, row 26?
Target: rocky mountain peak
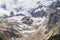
column 55, row 4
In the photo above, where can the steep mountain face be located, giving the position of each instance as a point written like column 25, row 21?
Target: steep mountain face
column 54, row 20
column 55, row 14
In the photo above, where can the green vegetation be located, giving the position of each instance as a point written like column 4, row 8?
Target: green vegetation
column 55, row 37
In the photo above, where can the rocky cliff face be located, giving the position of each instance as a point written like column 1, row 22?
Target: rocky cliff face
column 54, row 20
column 55, row 14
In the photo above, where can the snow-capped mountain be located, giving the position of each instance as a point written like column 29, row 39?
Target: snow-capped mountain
column 23, row 17
column 23, row 6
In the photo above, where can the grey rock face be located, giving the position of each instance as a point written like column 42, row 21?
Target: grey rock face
column 27, row 20
column 39, row 14
column 54, row 5
column 54, row 16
